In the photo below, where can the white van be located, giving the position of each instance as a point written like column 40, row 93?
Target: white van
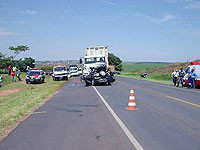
column 196, row 65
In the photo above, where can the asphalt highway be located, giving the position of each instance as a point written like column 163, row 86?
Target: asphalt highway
column 95, row 118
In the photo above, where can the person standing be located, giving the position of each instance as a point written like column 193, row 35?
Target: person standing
column 175, row 76
column 18, row 74
column 1, row 80
column 14, row 69
column 181, row 74
column 13, row 76
column 9, row 70
column 193, row 78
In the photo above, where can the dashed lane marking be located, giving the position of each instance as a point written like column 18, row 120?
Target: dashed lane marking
column 133, row 140
column 183, row 101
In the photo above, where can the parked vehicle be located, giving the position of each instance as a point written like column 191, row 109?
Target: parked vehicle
column 80, row 71
column 99, row 76
column 60, row 73
column 144, row 75
column 196, row 65
column 35, row 76
column 74, row 70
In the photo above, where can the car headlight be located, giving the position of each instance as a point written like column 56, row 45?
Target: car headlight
column 102, row 73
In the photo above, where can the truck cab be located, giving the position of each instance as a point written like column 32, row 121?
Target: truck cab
column 92, row 62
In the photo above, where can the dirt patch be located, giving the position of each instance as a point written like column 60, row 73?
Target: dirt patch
column 7, row 92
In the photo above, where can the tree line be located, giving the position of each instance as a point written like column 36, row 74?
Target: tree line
column 21, row 64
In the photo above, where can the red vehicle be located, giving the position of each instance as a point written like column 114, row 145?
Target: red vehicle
column 35, row 76
column 196, row 65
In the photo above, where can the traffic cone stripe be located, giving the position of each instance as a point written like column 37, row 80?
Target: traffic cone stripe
column 131, row 97
column 132, row 94
column 131, row 104
column 131, row 91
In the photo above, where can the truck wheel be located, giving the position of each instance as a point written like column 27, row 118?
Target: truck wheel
column 87, row 84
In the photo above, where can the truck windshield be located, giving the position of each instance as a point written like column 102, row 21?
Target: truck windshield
column 94, row 60
column 59, row 69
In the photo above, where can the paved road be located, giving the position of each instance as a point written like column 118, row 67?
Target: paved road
column 167, row 119
column 77, row 119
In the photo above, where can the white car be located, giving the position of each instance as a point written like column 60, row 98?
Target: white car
column 74, row 71
column 60, row 73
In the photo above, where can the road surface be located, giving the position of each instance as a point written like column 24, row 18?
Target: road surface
column 95, row 118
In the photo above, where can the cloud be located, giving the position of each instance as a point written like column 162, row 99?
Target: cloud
column 109, row 3
column 5, row 33
column 192, row 4
column 30, row 12
column 166, row 18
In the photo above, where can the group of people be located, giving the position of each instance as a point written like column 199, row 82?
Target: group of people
column 179, row 75
column 13, row 71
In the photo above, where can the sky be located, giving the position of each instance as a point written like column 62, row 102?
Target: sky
column 134, row 30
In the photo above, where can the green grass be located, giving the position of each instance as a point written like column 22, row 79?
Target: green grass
column 7, row 79
column 14, row 106
column 141, row 66
column 160, row 78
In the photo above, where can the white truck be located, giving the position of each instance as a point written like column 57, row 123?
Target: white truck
column 95, row 56
column 95, row 66
column 60, row 73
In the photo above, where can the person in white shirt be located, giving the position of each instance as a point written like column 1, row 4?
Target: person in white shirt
column 175, row 75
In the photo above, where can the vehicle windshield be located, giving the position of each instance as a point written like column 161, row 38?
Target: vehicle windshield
column 72, row 65
column 60, row 69
column 94, row 60
column 34, row 73
column 73, row 68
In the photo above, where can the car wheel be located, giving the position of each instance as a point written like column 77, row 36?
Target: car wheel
column 109, row 83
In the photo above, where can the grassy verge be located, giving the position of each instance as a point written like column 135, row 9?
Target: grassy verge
column 7, row 79
column 160, row 78
column 15, row 106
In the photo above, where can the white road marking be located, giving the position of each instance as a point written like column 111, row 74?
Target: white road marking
column 39, row 112
column 121, row 124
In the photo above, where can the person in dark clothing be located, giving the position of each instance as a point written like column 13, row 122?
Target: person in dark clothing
column 1, row 78
column 9, row 70
column 180, row 77
column 18, row 74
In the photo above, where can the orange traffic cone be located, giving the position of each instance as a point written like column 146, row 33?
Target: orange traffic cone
column 132, row 101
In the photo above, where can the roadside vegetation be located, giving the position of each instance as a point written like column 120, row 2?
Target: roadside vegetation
column 157, row 72
column 22, row 99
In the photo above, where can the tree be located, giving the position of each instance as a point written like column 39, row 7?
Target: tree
column 18, row 49
column 116, row 61
column 29, row 62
